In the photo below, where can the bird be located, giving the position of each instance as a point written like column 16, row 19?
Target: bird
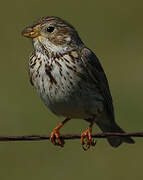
column 70, row 79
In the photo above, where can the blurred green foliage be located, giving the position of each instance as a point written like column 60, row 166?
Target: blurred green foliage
column 114, row 30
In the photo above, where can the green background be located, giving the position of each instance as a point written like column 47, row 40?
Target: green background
column 112, row 29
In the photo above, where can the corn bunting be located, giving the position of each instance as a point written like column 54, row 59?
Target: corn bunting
column 70, row 79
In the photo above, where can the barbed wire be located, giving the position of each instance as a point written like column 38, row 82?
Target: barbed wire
column 67, row 136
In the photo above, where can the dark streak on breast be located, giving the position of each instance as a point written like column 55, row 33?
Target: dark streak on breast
column 67, row 60
column 71, row 68
column 58, row 64
column 31, row 56
column 60, row 67
column 48, row 70
column 43, row 84
column 72, row 58
column 71, row 83
column 40, row 64
column 47, row 53
column 32, row 65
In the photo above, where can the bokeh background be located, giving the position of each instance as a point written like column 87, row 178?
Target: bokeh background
column 114, row 31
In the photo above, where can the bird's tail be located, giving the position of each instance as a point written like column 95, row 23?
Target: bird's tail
column 113, row 127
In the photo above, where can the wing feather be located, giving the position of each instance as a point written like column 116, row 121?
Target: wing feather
column 98, row 75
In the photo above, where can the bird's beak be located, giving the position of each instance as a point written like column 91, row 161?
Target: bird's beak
column 30, row 32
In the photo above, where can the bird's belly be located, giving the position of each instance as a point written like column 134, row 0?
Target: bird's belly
column 76, row 109
column 72, row 103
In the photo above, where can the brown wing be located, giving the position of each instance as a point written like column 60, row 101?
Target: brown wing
column 98, row 75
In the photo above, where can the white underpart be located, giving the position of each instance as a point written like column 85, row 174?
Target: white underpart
column 69, row 97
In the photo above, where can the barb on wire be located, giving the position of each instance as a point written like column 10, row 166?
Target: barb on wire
column 67, row 136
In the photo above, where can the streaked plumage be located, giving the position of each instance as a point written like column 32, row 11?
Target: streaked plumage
column 69, row 77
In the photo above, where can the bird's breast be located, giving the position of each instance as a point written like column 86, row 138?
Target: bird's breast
column 62, row 84
column 54, row 78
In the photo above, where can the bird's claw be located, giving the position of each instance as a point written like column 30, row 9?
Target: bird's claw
column 55, row 138
column 89, row 142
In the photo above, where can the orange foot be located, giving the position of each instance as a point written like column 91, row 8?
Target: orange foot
column 87, row 134
column 55, row 135
column 55, row 138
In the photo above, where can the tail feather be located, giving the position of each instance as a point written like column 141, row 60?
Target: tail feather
column 114, row 141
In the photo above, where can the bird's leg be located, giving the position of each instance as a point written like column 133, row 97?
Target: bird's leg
column 87, row 134
column 55, row 135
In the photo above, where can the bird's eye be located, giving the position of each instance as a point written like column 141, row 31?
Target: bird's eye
column 50, row 29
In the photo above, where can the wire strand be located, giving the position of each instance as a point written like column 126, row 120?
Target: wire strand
column 67, row 136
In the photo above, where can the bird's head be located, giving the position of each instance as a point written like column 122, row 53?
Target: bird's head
column 54, row 34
